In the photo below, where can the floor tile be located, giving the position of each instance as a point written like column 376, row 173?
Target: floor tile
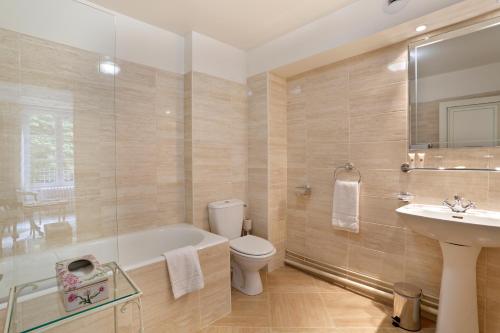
column 247, row 311
column 344, row 330
column 336, row 330
column 290, row 280
column 303, row 330
column 295, row 302
column 352, row 310
column 225, row 329
column 298, row 310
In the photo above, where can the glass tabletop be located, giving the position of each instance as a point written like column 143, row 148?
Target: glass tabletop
column 39, row 304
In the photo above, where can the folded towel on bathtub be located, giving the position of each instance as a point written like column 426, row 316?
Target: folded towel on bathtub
column 184, row 270
column 346, row 206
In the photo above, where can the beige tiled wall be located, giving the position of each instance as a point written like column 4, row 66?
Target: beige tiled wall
column 217, row 141
column 258, row 151
column 131, row 124
column 267, row 160
column 356, row 111
column 277, row 168
column 10, row 127
column 188, row 147
column 150, row 147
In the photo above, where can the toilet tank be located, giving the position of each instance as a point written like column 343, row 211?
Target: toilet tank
column 226, row 217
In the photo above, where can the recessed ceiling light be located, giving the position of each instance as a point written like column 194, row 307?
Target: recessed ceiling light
column 421, row 28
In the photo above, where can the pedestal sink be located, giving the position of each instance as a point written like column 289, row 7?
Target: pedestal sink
column 461, row 236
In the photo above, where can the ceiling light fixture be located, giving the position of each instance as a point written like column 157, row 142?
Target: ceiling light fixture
column 421, row 28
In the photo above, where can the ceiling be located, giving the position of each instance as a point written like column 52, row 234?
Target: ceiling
column 244, row 24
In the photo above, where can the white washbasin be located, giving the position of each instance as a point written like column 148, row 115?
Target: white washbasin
column 461, row 236
column 475, row 228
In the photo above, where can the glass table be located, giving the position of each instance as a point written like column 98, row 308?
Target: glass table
column 38, row 306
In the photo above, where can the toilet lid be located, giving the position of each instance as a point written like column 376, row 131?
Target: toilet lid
column 252, row 245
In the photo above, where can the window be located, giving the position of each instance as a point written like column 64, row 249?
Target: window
column 48, row 150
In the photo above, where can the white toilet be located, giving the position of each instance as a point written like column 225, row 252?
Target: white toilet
column 248, row 253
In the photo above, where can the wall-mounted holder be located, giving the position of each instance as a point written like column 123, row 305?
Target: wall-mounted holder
column 349, row 167
column 405, row 167
column 304, row 191
column 405, row 196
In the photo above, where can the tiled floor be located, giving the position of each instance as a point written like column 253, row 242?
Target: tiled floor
column 295, row 302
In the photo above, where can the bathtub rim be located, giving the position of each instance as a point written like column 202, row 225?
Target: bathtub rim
column 210, row 239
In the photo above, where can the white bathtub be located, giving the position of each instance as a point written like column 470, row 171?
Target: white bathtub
column 146, row 247
column 132, row 250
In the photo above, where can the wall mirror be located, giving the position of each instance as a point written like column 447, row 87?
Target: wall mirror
column 454, row 88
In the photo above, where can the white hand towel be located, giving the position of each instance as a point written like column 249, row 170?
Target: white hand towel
column 346, row 206
column 184, row 270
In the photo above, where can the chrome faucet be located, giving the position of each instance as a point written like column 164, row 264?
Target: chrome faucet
column 459, row 205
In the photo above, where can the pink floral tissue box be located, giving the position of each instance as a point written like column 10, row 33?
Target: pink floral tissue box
column 82, row 282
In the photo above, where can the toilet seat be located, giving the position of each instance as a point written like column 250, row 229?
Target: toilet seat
column 252, row 246
column 249, row 254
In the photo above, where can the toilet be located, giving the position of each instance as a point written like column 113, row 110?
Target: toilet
column 248, row 253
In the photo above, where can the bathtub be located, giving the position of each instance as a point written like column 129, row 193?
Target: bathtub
column 153, row 243
column 140, row 254
column 133, row 250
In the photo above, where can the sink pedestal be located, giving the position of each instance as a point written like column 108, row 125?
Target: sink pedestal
column 458, row 296
column 474, row 229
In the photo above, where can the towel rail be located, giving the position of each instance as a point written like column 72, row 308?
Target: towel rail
column 346, row 167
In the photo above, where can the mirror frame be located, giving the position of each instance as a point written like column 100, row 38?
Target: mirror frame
column 412, row 68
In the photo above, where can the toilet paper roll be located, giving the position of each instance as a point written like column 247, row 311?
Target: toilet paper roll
column 247, row 225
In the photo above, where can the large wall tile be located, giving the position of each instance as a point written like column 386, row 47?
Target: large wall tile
column 216, row 138
column 381, row 99
column 149, row 107
column 379, row 127
column 377, row 264
column 381, row 238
